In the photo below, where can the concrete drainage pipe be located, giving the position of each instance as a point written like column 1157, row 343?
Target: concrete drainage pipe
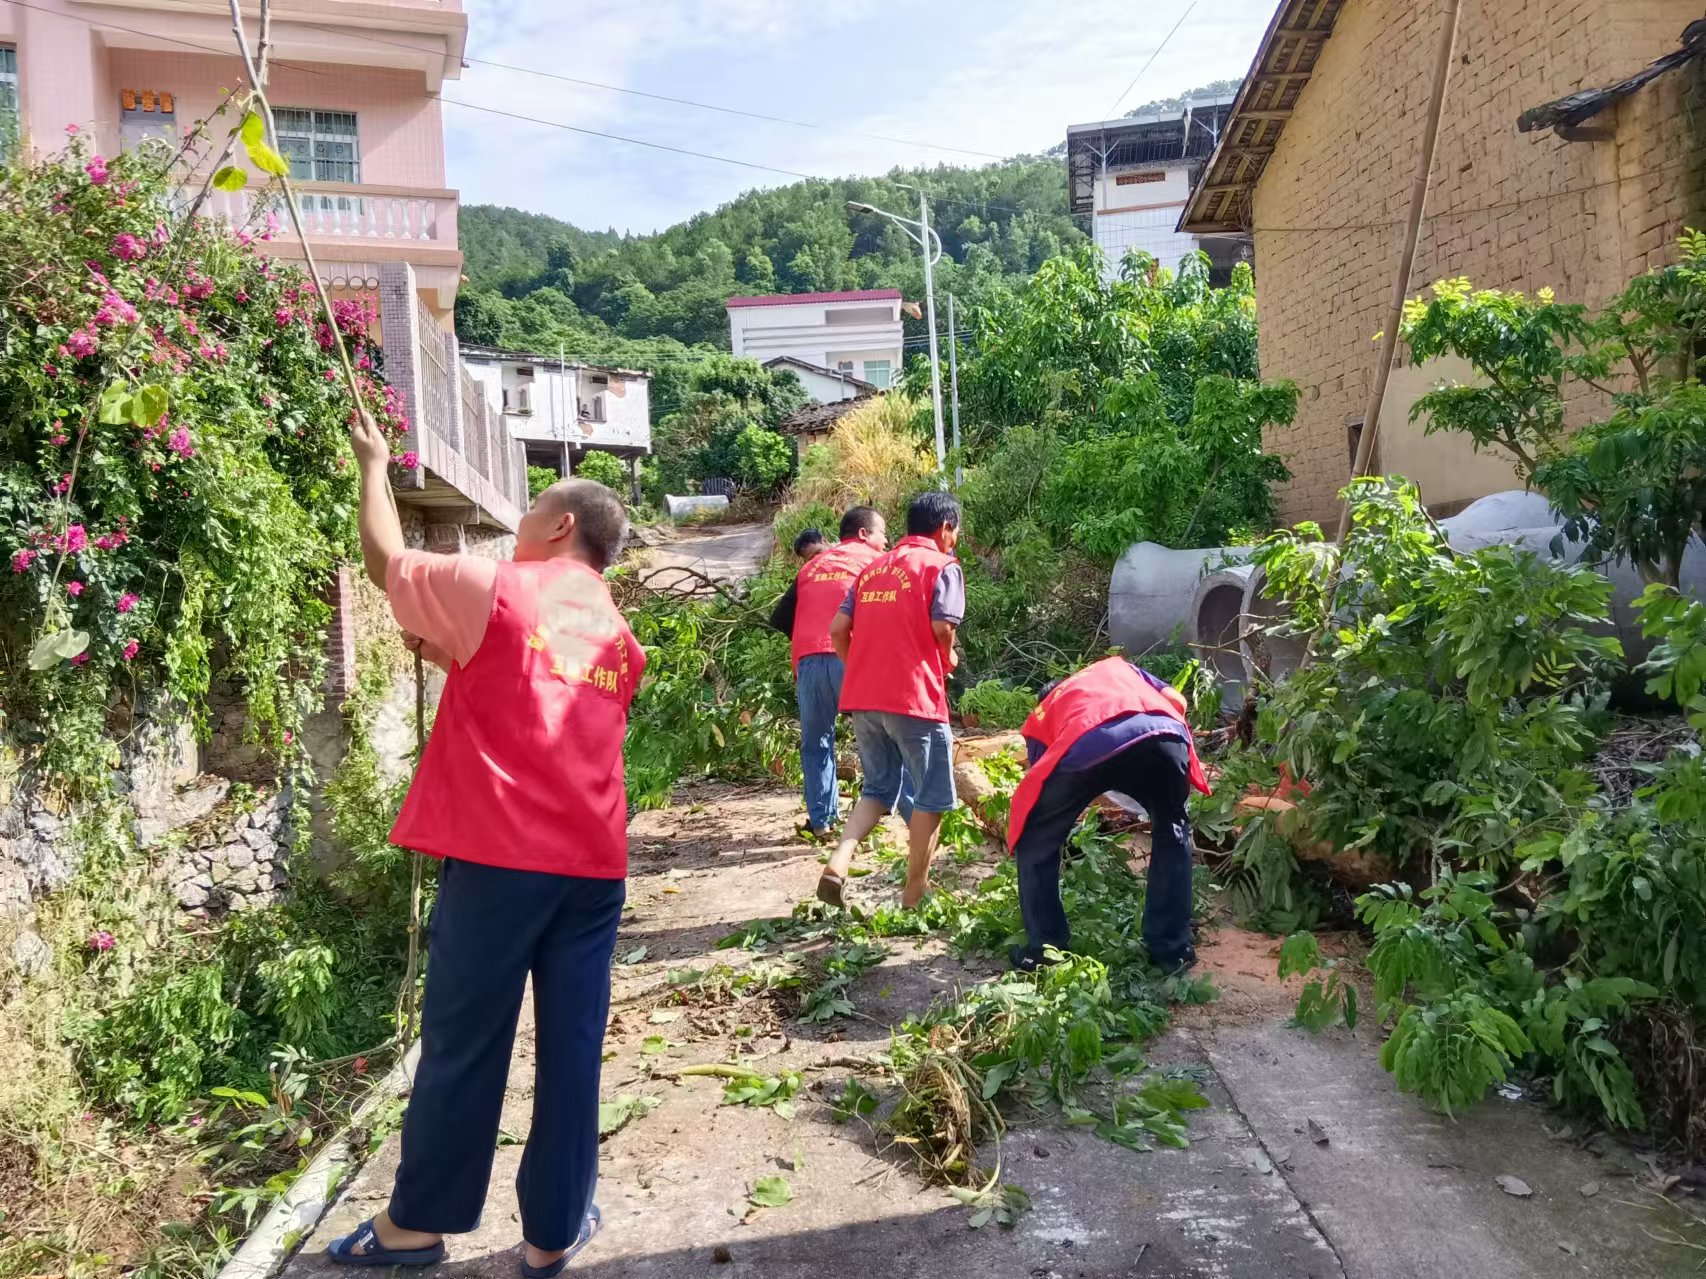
column 1153, row 591
column 1219, row 612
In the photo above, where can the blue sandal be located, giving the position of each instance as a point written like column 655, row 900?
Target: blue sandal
column 589, row 1228
column 375, row 1254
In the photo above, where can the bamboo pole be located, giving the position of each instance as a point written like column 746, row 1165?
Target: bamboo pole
column 1407, row 260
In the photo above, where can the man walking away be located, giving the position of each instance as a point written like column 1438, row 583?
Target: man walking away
column 520, row 792
column 895, row 632
column 804, row 615
column 1111, row 727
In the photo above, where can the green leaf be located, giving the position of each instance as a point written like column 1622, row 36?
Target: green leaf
column 267, row 160
column 652, row 1045
column 253, row 130
column 148, row 405
column 636, row 955
column 56, row 647
column 115, row 405
column 230, row 178
column 771, row 1192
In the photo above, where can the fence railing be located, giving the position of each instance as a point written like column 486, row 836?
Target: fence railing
column 461, row 442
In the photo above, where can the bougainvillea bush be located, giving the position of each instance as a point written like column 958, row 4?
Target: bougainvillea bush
column 175, row 473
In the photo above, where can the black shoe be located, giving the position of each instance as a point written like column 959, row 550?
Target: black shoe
column 1175, row 967
column 1028, row 961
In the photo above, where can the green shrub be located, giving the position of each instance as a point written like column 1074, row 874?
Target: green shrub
column 606, row 468
column 997, row 706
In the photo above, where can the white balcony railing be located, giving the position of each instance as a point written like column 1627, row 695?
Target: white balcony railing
column 345, row 212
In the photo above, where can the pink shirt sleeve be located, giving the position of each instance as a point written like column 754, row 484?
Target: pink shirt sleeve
column 445, row 599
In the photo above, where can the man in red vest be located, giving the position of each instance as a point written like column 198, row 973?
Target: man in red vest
column 895, row 632
column 804, row 614
column 1111, row 727
column 520, row 793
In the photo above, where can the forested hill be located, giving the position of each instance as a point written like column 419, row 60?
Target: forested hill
column 536, row 283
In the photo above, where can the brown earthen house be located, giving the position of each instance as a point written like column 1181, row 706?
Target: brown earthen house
column 1316, row 166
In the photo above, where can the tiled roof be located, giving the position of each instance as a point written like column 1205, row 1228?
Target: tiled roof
column 865, row 388
column 797, row 299
column 819, row 417
column 1284, row 62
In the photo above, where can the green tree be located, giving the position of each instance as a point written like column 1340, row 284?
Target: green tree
column 606, row 468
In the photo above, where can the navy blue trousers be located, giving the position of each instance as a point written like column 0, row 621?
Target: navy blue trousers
column 1154, row 772
column 491, row 928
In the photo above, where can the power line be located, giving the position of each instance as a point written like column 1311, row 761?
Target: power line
column 346, row 34
column 1152, row 57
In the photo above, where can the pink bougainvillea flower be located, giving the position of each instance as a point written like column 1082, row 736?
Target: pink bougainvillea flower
column 180, row 444
column 50, row 370
column 130, row 650
column 72, row 130
column 64, row 485
column 75, row 539
column 161, row 234
column 408, row 460
column 128, row 601
column 289, row 737
column 240, row 296
column 59, row 439
column 100, row 939
column 115, row 310
column 360, row 1065
column 21, row 560
column 127, row 248
column 284, row 315
column 74, row 588
column 81, row 343
column 97, row 171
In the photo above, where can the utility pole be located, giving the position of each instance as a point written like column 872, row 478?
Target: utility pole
column 930, row 305
column 954, row 391
column 931, row 243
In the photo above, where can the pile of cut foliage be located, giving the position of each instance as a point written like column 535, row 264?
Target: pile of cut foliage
column 1546, row 914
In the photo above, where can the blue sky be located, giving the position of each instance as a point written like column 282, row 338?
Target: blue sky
column 995, row 76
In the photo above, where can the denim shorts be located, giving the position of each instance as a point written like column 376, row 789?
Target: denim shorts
column 924, row 748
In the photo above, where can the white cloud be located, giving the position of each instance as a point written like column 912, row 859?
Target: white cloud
column 1001, row 76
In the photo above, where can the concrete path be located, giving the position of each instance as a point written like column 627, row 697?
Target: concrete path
column 727, row 553
column 1395, row 1192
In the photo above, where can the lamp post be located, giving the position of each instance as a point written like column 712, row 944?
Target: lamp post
column 931, row 243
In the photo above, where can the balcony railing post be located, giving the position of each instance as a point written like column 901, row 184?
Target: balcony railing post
column 456, row 431
column 399, row 323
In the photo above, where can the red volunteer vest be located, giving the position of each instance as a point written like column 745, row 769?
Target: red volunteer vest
column 524, row 766
column 894, row 663
column 1100, row 692
column 818, row 591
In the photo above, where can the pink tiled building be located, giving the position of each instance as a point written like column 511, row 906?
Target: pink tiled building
column 354, row 84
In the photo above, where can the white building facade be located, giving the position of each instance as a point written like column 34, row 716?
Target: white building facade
column 856, row 333
column 560, row 409
column 1132, row 178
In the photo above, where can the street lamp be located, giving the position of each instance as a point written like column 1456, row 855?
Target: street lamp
column 931, row 243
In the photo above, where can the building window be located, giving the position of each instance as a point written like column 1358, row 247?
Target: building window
column 322, row 146
column 145, row 114
column 1138, row 179
column 877, row 373
column 8, row 101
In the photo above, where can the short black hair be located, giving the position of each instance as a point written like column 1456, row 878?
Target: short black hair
column 807, row 538
column 930, row 511
column 859, row 519
column 601, row 521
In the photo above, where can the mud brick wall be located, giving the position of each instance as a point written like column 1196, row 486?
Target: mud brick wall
column 1507, row 210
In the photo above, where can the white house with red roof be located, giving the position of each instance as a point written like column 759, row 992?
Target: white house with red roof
column 855, row 333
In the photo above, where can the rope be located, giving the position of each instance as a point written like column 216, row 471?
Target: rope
column 411, row 972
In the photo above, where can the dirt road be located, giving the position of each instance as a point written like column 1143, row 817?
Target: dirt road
column 1394, row 1192
column 725, row 553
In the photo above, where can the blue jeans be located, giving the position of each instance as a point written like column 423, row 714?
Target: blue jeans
column 817, row 689
column 817, row 686
column 490, row 928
